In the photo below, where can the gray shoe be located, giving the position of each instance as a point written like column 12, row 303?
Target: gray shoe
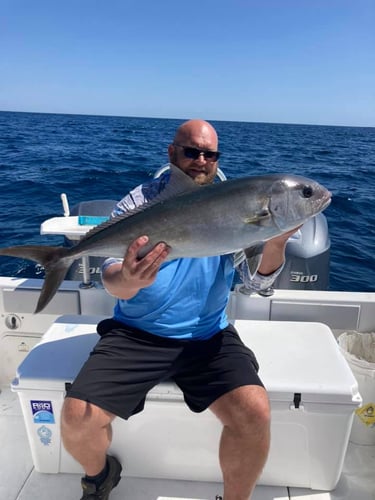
column 90, row 492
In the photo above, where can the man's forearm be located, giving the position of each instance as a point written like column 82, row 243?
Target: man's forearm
column 273, row 257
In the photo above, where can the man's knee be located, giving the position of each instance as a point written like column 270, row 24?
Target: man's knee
column 246, row 407
column 77, row 413
column 74, row 413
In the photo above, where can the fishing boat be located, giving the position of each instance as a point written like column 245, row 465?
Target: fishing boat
column 169, row 453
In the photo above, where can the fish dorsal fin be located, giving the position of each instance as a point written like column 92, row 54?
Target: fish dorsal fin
column 178, row 183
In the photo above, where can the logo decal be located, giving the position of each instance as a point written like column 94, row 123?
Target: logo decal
column 45, row 435
column 42, row 412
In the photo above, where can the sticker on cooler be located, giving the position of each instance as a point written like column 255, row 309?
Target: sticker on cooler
column 367, row 414
column 42, row 412
column 45, row 435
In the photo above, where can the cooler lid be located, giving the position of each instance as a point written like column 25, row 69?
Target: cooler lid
column 300, row 358
column 294, row 357
column 59, row 356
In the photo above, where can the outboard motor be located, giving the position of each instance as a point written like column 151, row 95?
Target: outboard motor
column 307, row 257
column 91, row 213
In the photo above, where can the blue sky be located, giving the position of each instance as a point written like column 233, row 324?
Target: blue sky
column 284, row 61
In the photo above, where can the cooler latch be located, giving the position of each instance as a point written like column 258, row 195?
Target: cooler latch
column 296, row 405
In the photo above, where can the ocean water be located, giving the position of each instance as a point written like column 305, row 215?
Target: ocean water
column 92, row 157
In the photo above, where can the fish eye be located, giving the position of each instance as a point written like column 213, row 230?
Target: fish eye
column 307, row 191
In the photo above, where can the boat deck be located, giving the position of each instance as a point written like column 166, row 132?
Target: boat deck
column 20, row 481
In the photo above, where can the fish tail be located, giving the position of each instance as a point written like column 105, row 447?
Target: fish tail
column 56, row 262
column 54, row 276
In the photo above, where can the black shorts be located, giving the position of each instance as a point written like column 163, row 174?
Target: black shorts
column 126, row 363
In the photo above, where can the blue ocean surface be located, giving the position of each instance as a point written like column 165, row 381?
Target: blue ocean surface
column 103, row 157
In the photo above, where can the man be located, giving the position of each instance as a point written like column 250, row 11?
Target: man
column 170, row 320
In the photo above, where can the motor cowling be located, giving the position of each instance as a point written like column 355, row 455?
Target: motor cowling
column 307, row 257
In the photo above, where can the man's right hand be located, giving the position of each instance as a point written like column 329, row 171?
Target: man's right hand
column 124, row 280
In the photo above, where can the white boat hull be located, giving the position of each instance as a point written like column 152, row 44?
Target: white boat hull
column 21, row 330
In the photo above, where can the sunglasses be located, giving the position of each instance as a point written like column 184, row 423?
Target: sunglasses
column 194, row 153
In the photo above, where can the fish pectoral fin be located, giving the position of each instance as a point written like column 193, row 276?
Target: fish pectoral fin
column 253, row 258
column 258, row 216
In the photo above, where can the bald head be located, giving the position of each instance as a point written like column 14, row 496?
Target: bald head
column 197, row 133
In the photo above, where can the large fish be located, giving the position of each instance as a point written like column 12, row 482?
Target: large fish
column 194, row 221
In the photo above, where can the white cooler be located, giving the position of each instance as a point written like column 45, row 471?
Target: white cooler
column 312, row 390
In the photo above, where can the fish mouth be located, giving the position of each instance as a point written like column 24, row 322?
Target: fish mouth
column 327, row 200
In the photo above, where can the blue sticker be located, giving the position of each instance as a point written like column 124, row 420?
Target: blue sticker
column 45, row 435
column 42, row 412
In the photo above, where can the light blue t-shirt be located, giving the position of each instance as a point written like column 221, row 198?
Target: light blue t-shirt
column 186, row 301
